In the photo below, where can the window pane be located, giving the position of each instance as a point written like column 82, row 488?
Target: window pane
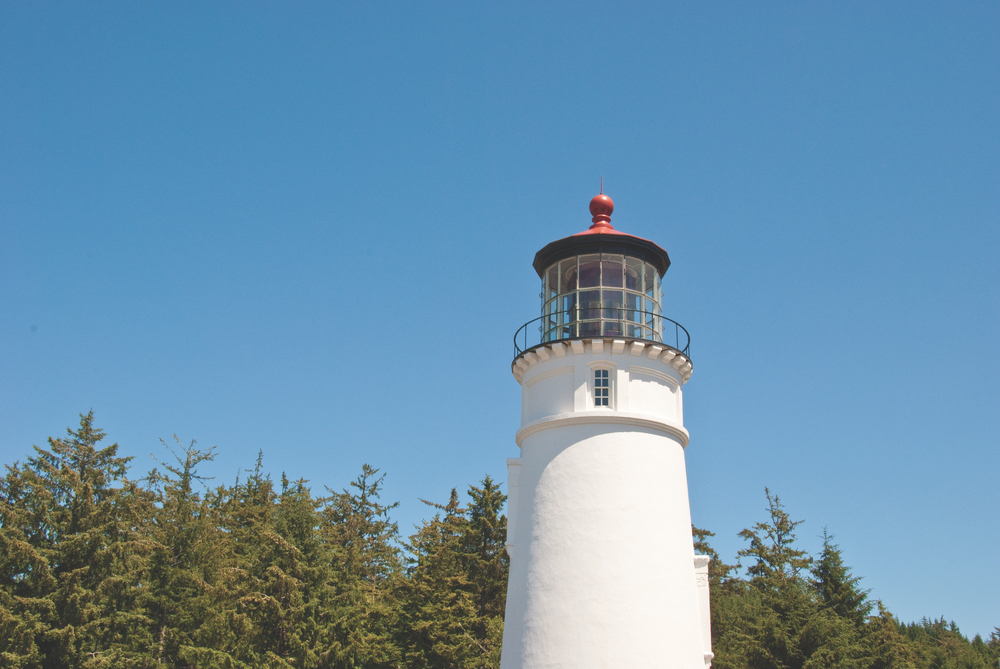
column 552, row 281
column 650, row 282
column 590, row 271
column 611, row 270
column 613, row 302
column 633, row 305
column 590, row 303
column 568, row 308
column 602, row 387
column 652, row 306
column 633, row 274
column 567, row 275
column 590, row 329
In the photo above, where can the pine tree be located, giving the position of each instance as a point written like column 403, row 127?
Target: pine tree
column 25, row 610
column 263, row 603
column 775, row 619
column 367, row 572
column 837, row 588
column 993, row 647
column 298, row 521
column 939, row 644
column 73, row 534
column 188, row 566
column 776, row 562
column 456, row 590
column 887, row 648
column 440, row 607
column 488, row 566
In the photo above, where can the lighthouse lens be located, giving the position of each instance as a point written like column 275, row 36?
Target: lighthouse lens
column 590, row 271
column 567, row 275
column 552, row 282
column 614, row 305
column 651, row 282
column 612, row 267
column 569, row 308
column 590, row 301
column 633, row 305
column 601, row 295
column 633, row 274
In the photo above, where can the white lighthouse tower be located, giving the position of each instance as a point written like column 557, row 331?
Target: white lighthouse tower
column 602, row 565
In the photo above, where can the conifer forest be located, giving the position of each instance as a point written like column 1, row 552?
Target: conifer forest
column 103, row 566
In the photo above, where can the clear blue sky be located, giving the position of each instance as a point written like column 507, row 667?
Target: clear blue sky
column 307, row 229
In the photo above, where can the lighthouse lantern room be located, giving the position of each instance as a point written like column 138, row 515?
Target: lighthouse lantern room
column 603, row 571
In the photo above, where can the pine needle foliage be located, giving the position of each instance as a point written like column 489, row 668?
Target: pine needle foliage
column 73, row 534
column 366, row 563
column 457, row 583
column 837, row 587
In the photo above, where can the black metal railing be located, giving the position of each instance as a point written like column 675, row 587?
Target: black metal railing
column 610, row 322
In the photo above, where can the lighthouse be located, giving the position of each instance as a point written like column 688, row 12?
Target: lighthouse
column 602, row 566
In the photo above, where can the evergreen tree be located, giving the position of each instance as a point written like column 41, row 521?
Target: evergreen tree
column 440, row 609
column 993, row 645
column 488, row 566
column 368, row 571
column 776, row 563
column 187, row 567
column 298, row 521
column 939, row 644
column 263, row 605
column 72, row 533
column 887, row 648
column 775, row 618
column 25, row 610
column 837, row 588
column 456, row 590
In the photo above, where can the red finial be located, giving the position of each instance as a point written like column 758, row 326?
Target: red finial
column 600, row 208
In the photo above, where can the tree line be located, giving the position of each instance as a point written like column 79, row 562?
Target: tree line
column 792, row 610
column 100, row 569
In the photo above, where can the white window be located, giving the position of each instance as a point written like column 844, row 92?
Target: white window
column 602, row 387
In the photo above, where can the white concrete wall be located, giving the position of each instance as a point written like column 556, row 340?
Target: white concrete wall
column 602, row 564
column 513, row 495
column 701, row 563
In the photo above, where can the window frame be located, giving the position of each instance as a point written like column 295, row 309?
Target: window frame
column 609, row 386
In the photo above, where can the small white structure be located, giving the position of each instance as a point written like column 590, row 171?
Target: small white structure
column 603, row 571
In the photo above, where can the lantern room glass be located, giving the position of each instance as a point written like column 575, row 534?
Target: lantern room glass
column 601, row 295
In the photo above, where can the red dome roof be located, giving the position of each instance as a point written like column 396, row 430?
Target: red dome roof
column 601, row 237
